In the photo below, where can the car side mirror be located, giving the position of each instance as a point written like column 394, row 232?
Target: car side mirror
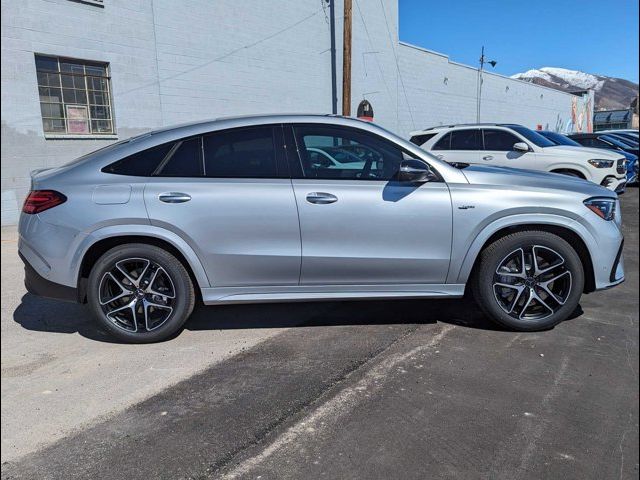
column 415, row 171
column 521, row 147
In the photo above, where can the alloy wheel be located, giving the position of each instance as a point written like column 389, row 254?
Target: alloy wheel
column 532, row 283
column 137, row 295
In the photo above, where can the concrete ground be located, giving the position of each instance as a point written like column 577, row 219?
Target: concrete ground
column 59, row 373
column 397, row 389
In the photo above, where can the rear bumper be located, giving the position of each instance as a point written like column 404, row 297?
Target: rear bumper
column 40, row 286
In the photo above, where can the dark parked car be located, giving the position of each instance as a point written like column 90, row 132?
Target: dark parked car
column 605, row 140
column 561, row 139
column 631, row 135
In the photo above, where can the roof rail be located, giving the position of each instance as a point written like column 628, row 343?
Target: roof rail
column 482, row 124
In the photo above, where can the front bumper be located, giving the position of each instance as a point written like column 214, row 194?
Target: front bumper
column 617, row 270
column 632, row 174
column 615, row 184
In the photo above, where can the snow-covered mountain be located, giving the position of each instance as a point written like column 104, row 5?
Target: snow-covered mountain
column 610, row 93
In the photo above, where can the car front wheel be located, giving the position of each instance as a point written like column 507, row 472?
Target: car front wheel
column 140, row 293
column 530, row 280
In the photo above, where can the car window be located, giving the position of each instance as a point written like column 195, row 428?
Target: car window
column 141, row 164
column 240, row 153
column 593, row 142
column 559, row 139
column 342, row 153
column 531, row 135
column 499, row 140
column 619, row 142
column 444, row 143
column 465, row 140
column 422, row 138
column 185, row 160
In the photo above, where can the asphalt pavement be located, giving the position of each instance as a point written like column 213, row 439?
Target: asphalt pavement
column 376, row 390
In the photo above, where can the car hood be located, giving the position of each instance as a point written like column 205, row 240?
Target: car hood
column 571, row 151
column 531, row 179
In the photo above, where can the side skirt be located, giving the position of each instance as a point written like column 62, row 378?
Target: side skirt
column 260, row 294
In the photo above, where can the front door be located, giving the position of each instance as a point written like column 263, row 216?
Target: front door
column 358, row 224
column 228, row 195
column 498, row 150
column 459, row 146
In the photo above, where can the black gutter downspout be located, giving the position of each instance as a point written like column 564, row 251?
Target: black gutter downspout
column 334, row 85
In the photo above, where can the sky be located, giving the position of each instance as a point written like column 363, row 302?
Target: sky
column 593, row 36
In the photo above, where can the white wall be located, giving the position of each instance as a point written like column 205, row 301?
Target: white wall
column 175, row 61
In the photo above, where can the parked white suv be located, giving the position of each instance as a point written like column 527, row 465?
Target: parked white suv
column 510, row 145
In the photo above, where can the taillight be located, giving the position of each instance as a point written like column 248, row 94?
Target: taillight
column 40, row 200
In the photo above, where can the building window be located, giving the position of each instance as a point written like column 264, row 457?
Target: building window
column 75, row 96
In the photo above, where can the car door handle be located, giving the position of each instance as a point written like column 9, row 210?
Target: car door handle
column 439, row 157
column 321, row 198
column 488, row 157
column 174, row 197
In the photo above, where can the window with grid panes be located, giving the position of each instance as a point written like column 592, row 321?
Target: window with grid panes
column 75, row 96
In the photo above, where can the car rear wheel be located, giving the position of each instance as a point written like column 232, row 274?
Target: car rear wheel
column 529, row 280
column 140, row 293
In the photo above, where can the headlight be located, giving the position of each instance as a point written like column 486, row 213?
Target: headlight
column 603, row 207
column 598, row 163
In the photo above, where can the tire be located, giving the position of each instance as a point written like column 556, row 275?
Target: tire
column 151, row 311
column 502, row 288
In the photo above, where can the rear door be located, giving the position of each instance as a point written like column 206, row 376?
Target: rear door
column 459, row 146
column 498, row 150
column 229, row 195
column 359, row 225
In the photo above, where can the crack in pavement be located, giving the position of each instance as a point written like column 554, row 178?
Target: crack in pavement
column 334, row 408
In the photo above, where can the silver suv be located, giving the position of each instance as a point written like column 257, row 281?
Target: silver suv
column 283, row 208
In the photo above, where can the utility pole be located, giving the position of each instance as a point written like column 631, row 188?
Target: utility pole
column 334, row 82
column 346, row 60
column 479, row 86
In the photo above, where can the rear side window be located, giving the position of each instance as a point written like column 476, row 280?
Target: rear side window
column 465, row 140
column 444, row 143
column 141, row 164
column 241, row 153
column 422, row 139
column 185, row 160
column 499, row 140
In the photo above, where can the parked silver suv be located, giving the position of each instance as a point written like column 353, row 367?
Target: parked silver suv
column 282, row 208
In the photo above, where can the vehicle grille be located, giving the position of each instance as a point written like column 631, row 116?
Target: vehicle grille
column 622, row 167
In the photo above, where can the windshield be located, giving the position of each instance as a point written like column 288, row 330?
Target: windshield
column 560, row 139
column 533, row 137
column 619, row 142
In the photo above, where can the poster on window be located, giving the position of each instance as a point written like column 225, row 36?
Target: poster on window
column 78, row 119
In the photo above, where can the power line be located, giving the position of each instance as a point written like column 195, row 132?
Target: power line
column 366, row 30
column 395, row 56
column 213, row 60
column 228, row 54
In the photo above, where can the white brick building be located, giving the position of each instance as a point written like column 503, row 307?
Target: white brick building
column 170, row 61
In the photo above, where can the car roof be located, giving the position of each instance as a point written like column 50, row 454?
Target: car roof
column 221, row 122
column 464, row 125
